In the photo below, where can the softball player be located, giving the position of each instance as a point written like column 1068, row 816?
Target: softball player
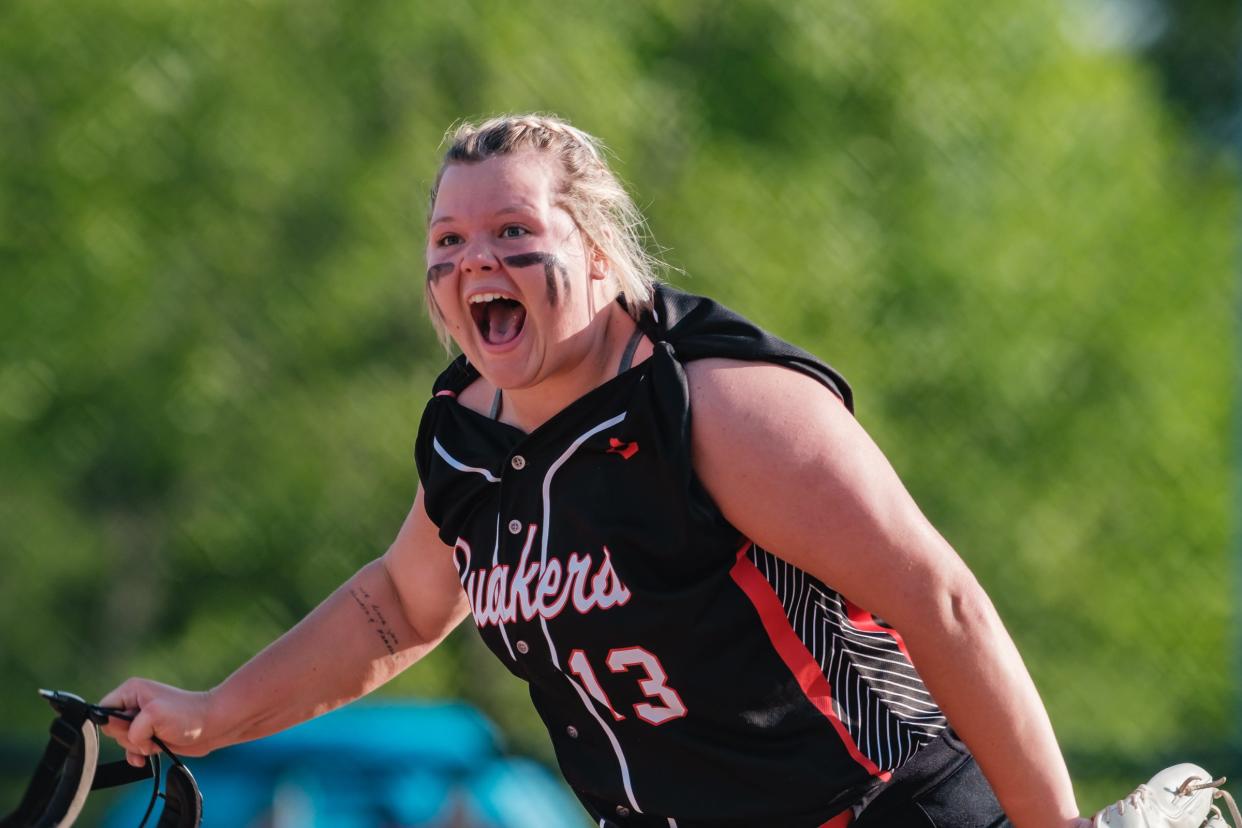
column 727, row 608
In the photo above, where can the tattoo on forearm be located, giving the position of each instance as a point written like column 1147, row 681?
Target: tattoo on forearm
column 376, row 618
column 551, row 266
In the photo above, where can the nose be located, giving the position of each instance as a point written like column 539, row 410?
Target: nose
column 479, row 259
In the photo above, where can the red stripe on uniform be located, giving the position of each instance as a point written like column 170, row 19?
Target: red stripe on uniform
column 865, row 621
column 794, row 653
column 841, row 820
column 446, row 393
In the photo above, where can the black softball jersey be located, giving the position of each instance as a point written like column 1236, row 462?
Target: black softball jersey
column 687, row 677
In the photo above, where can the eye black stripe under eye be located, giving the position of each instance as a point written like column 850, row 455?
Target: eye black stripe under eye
column 438, row 271
column 551, row 265
column 528, row 259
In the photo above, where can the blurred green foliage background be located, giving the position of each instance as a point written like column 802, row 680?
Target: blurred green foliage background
column 1012, row 225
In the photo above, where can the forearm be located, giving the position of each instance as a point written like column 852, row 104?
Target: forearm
column 353, row 642
column 973, row 669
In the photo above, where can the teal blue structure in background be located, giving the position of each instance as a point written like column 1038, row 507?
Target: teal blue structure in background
column 374, row 765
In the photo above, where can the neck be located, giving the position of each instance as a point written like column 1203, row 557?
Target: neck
column 529, row 408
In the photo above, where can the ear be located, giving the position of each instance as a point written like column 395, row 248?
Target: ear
column 601, row 265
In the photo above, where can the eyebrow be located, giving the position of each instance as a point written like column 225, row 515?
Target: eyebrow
column 515, row 208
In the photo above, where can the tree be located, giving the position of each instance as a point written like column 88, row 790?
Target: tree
column 215, row 356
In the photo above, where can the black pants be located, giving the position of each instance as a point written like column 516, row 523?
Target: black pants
column 941, row 787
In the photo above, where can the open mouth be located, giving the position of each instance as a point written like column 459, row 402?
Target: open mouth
column 498, row 318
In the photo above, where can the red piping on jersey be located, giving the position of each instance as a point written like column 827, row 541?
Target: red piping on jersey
column 841, row 820
column 794, row 653
column 446, row 393
column 865, row 622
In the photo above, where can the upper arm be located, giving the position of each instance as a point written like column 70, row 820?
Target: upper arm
column 791, row 468
column 421, row 568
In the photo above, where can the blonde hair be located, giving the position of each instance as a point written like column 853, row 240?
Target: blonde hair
column 590, row 192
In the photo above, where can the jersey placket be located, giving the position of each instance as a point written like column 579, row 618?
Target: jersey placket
column 515, row 533
column 510, row 484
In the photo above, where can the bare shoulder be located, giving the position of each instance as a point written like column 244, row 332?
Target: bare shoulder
column 789, row 466
column 760, row 431
column 783, row 409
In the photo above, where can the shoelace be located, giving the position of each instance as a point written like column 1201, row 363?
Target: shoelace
column 1192, row 785
column 1134, row 800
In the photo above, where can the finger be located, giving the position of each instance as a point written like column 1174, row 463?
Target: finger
column 116, row 697
column 135, row 759
column 127, row 696
column 141, row 729
column 115, row 728
column 128, row 745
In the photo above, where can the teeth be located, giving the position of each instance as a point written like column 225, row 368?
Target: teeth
column 485, row 297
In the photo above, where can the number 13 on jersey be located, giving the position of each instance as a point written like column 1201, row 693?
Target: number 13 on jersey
column 654, row 685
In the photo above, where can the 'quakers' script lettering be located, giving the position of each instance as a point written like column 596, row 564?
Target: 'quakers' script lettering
column 501, row 594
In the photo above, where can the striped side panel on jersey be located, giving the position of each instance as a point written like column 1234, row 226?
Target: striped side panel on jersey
column 876, row 693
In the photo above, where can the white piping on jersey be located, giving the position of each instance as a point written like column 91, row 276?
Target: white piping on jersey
column 543, row 622
column 460, row 466
column 547, row 511
column 500, row 623
column 612, row 737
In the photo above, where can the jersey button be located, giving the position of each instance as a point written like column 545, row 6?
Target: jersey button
column 518, row 462
column 623, row 811
column 515, row 526
column 571, row 732
column 523, row 647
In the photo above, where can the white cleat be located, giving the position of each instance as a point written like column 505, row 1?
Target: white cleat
column 1177, row 797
